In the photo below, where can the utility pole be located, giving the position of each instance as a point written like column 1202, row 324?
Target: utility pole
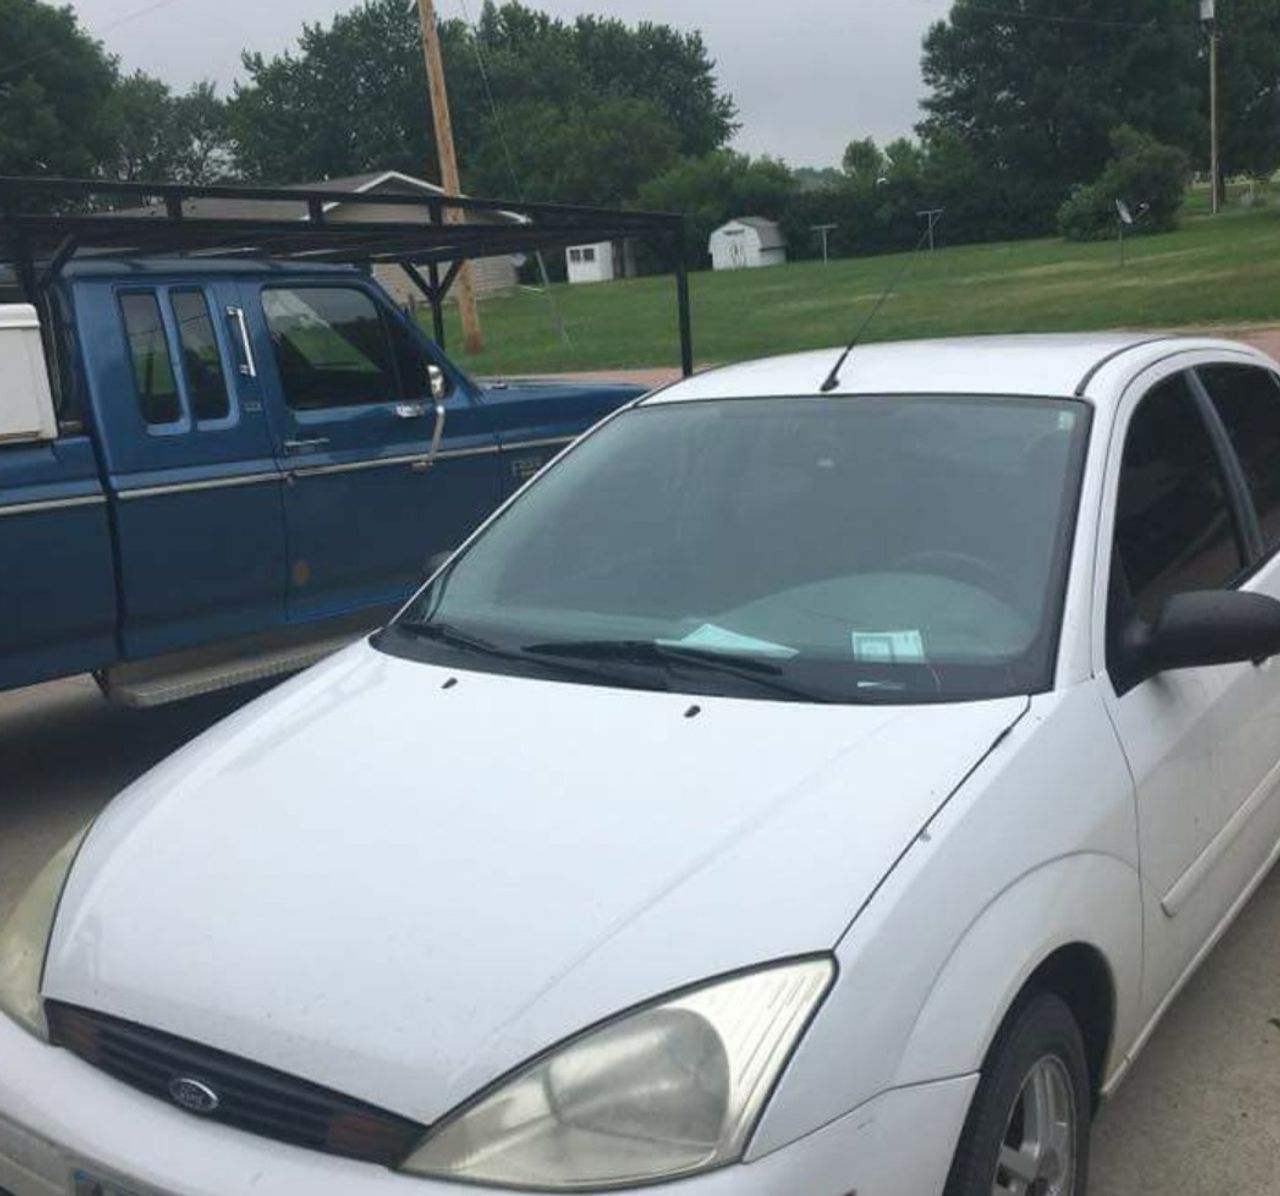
column 933, row 215
column 448, row 164
column 824, row 230
column 1208, row 15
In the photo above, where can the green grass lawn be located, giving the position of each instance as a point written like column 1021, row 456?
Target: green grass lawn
column 1224, row 271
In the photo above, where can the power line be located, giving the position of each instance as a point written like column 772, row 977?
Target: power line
column 511, row 164
column 145, row 10
column 493, row 103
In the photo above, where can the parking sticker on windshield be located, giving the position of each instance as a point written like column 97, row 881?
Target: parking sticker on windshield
column 722, row 639
column 889, row 647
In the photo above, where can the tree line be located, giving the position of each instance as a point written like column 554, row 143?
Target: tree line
column 1036, row 111
column 582, row 111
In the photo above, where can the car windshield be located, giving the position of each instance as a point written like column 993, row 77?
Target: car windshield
column 878, row 549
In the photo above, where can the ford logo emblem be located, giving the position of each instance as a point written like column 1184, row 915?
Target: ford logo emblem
column 193, row 1096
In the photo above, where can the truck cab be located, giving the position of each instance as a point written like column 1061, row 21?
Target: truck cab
column 218, row 470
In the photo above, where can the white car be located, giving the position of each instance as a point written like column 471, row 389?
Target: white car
column 789, row 793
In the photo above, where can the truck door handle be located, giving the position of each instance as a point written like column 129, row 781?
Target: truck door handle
column 306, row 446
column 410, row 410
column 248, row 367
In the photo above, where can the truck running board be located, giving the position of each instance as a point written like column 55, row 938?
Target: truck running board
column 189, row 674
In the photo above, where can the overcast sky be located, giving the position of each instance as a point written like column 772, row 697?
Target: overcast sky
column 808, row 75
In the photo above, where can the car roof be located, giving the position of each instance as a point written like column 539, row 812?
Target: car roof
column 1052, row 366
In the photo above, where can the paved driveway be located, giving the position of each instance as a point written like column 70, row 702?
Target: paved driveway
column 1200, row 1115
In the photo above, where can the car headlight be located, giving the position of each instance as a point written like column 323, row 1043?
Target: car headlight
column 24, row 939
column 662, row 1092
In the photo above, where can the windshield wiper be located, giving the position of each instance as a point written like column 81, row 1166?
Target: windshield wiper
column 454, row 637
column 662, row 655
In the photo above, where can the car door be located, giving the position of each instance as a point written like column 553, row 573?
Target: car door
column 1245, row 398
column 192, row 479
column 1179, row 521
column 365, row 505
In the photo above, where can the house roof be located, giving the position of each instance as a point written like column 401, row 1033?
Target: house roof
column 220, row 208
column 372, row 179
column 770, row 234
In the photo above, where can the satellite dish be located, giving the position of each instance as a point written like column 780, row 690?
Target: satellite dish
column 519, row 260
column 1126, row 216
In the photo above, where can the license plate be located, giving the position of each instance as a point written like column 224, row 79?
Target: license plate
column 85, row 1184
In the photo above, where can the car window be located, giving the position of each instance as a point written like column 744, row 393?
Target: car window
column 201, row 359
column 153, row 377
column 877, row 549
column 1174, row 526
column 1248, row 400
column 331, row 347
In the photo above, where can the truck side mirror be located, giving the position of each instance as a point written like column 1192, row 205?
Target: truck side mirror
column 1204, row 628
column 433, row 564
column 437, row 383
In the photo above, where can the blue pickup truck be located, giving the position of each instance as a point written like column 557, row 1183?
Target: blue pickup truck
column 213, row 471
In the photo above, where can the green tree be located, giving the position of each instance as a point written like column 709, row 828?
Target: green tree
column 595, row 154
column 158, row 135
column 877, row 210
column 709, row 190
column 533, row 57
column 667, row 68
column 1148, row 177
column 817, row 178
column 863, row 160
column 1250, row 74
column 583, row 111
column 204, row 135
column 139, row 112
column 1034, row 89
column 54, row 81
column 352, row 98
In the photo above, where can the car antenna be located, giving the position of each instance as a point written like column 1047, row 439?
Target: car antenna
column 833, row 378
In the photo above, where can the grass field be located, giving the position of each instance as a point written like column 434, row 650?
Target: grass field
column 1224, row 271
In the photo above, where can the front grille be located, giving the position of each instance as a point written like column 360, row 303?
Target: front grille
column 250, row 1097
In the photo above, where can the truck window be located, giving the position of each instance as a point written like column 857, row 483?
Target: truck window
column 201, row 361
column 152, row 370
column 63, row 373
column 331, row 347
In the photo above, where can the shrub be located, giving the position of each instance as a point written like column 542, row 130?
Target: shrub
column 1147, row 175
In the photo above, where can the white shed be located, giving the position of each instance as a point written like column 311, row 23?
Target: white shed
column 745, row 242
column 591, row 263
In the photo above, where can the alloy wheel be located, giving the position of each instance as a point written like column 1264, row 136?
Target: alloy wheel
column 1037, row 1157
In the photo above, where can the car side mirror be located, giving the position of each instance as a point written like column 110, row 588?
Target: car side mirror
column 437, row 383
column 1203, row 628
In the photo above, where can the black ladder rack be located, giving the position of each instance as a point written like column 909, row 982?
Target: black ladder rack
column 46, row 223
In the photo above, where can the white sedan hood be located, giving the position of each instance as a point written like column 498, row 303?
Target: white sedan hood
column 402, row 891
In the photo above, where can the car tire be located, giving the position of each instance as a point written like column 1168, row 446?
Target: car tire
column 1027, row 1132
